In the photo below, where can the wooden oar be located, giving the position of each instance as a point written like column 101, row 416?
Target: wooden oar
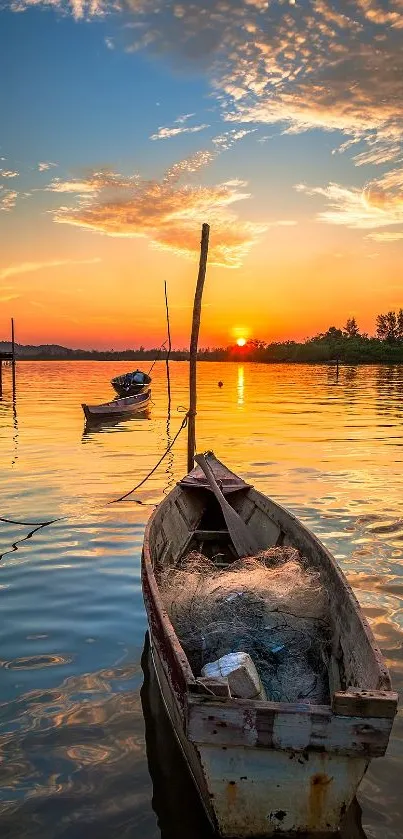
column 244, row 541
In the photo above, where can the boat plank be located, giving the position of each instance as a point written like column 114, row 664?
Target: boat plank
column 365, row 703
column 286, row 726
column 211, row 535
column 265, row 530
column 334, row 675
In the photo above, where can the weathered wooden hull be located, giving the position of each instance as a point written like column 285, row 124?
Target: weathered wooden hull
column 118, row 407
column 255, row 792
column 266, row 792
column 265, row 768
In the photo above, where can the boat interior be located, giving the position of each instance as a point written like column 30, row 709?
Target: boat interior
column 191, row 520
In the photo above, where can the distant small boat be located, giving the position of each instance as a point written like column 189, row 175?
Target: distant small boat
column 131, row 383
column 126, row 405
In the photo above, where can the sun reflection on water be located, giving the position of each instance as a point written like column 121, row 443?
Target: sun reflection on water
column 241, row 384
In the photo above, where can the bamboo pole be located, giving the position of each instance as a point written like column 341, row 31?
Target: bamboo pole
column 193, row 345
column 168, row 350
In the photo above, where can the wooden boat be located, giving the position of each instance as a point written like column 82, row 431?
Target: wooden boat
column 127, row 385
column 262, row 767
column 126, row 405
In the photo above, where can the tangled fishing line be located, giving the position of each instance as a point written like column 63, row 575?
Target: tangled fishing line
column 270, row 606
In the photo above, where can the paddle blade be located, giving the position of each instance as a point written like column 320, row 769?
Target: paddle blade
column 242, row 537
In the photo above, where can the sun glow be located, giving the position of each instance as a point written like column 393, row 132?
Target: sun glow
column 241, row 342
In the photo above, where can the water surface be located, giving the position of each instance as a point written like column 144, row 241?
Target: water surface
column 73, row 759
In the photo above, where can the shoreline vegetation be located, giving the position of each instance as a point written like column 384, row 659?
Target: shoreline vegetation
column 346, row 345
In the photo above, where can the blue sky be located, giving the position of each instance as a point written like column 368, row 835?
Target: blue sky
column 70, row 96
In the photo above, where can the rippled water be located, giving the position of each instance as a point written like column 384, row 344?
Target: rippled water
column 73, row 759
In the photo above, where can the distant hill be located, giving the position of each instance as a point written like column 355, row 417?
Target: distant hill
column 55, row 352
column 45, row 350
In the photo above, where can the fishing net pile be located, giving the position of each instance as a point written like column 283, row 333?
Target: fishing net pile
column 270, row 606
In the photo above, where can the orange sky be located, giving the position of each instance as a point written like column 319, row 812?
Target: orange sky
column 111, row 295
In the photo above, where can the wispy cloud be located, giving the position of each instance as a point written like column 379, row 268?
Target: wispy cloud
column 379, row 204
column 168, row 212
column 165, row 133
column 6, row 298
column 225, row 141
column 27, row 267
column 184, row 118
column 44, row 165
column 8, row 173
column 378, row 153
column 8, row 199
column 74, row 186
column 387, row 236
column 77, row 8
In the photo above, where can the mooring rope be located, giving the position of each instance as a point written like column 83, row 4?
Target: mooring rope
column 181, row 427
column 31, row 523
column 25, row 538
column 40, row 524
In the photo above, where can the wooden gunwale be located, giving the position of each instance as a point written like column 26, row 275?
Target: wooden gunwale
column 162, row 631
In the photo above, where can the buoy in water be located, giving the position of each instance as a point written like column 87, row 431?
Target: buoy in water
column 220, row 384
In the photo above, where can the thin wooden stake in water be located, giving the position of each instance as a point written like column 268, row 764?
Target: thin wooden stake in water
column 193, row 345
column 13, row 352
column 168, row 350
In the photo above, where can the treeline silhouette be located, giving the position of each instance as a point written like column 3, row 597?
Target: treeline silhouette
column 347, row 345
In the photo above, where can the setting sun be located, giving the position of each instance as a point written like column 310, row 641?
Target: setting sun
column 241, row 342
